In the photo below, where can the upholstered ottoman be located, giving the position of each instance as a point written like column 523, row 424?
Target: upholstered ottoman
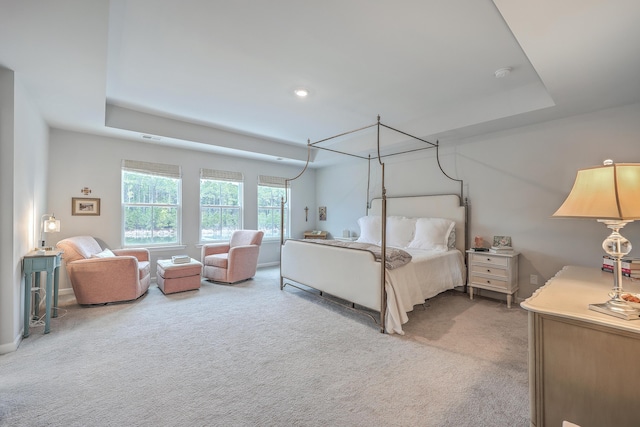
column 178, row 277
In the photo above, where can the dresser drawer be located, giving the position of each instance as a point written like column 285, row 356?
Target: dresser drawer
column 489, row 259
column 488, row 282
column 488, row 269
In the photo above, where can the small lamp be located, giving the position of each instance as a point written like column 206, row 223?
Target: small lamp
column 610, row 194
column 50, row 225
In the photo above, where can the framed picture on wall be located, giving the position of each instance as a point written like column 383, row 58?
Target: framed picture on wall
column 322, row 213
column 85, row 206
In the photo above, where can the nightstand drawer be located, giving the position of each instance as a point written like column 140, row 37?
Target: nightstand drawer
column 489, row 259
column 484, row 281
column 487, row 269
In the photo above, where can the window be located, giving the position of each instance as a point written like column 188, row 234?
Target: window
column 151, row 204
column 220, row 204
column 271, row 190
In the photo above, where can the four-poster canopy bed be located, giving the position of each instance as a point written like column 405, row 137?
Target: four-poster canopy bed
column 422, row 239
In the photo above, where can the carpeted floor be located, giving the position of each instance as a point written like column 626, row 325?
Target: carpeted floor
column 252, row 355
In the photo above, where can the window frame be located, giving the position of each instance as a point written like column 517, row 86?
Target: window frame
column 159, row 170
column 221, row 176
column 280, row 183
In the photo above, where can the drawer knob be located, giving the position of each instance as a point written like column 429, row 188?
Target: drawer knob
column 488, row 259
column 488, row 270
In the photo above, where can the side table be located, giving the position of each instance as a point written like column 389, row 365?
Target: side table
column 36, row 262
column 315, row 235
column 494, row 272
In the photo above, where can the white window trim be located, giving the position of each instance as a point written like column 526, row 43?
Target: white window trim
column 159, row 169
column 220, row 175
column 277, row 182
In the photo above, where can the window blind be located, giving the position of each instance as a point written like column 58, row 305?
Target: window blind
column 271, row 181
column 219, row 175
column 169, row 171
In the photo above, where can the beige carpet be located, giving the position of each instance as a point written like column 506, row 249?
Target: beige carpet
column 252, row 355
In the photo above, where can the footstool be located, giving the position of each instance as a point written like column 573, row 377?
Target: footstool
column 173, row 278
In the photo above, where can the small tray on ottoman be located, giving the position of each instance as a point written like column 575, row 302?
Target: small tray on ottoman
column 172, row 277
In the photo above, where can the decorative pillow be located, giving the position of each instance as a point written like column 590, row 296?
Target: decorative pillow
column 104, row 254
column 400, row 231
column 432, row 234
column 452, row 238
column 370, row 229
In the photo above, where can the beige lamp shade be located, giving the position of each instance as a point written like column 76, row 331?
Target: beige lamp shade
column 604, row 192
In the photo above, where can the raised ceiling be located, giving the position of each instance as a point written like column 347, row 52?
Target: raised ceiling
column 220, row 75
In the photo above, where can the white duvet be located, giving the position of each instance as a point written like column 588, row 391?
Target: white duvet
column 428, row 274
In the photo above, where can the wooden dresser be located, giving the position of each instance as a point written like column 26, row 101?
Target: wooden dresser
column 584, row 366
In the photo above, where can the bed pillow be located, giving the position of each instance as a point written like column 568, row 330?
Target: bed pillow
column 452, row 238
column 432, row 234
column 104, row 254
column 370, row 229
column 400, row 231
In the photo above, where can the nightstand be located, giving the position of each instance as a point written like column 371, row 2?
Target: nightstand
column 315, row 235
column 32, row 264
column 494, row 272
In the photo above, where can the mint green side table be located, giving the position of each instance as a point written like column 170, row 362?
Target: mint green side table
column 36, row 262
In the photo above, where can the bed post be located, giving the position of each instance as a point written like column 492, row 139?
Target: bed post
column 383, row 244
column 383, row 266
column 282, row 231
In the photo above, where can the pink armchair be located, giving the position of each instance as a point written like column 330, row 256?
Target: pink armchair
column 102, row 276
column 234, row 261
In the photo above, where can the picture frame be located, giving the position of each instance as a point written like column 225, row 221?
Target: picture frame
column 322, row 213
column 502, row 241
column 85, row 206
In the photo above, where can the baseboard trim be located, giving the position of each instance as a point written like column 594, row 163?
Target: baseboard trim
column 11, row 347
column 269, row 264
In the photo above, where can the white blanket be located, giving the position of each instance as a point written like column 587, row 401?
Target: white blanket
column 428, row 274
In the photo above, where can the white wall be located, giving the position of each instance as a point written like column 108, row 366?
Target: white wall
column 23, row 149
column 80, row 160
column 515, row 180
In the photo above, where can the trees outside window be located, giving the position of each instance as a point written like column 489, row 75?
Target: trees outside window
column 151, row 204
column 271, row 190
column 220, row 209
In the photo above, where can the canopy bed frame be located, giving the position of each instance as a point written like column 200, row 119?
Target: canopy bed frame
column 362, row 280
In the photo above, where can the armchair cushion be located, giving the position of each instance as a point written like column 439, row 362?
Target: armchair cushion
column 98, row 280
column 104, row 254
column 217, row 260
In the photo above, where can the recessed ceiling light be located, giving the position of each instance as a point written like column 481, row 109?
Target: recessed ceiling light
column 502, row 72
column 301, row 92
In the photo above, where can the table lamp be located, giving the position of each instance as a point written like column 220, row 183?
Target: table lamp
column 49, row 225
column 611, row 195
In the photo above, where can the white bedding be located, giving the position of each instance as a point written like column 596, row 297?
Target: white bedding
column 354, row 275
column 428, row 274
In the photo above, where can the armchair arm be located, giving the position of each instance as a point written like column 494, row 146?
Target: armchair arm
column 242, row 262
column 242, row 254
column 214, row 248
column 95, row 280
column 141, row 254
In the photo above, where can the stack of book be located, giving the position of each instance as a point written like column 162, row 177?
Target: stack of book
column 607, row 263
column 501, row 250
column 180, row 259
column 630, row 266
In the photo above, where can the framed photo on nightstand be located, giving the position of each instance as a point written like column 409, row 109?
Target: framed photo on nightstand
column 501, row 241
